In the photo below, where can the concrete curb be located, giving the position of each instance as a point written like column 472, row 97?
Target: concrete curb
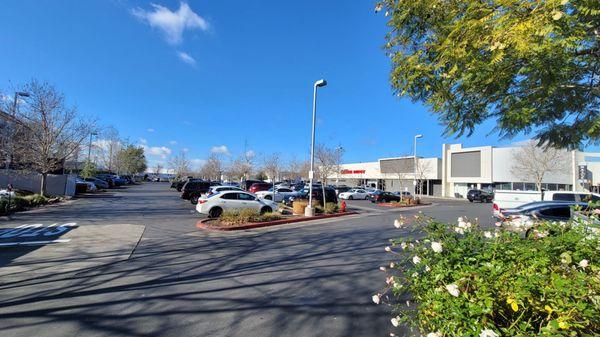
column 202, row 224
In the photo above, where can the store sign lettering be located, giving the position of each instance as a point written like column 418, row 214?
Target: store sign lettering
column 353, row 171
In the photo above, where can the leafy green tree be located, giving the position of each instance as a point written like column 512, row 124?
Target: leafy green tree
column 89, row 169
column 132, row 159
column 530, row 65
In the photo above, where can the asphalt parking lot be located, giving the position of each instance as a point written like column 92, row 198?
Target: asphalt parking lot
column 165, row 277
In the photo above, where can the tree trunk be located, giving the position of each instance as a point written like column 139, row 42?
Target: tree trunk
column 43, row 184
column 324, row 199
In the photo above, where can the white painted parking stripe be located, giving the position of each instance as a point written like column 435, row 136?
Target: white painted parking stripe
column 33, row 243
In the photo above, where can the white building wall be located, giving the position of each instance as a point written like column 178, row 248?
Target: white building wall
column 503, row 172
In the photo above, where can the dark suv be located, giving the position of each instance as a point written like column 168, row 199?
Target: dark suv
column 480, row 195
column 193, row 189
column 317, row 194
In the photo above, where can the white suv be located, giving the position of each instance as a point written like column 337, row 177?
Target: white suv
column 215, row 204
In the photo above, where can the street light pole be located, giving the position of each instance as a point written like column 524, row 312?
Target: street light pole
column 309, row 211
column 9, row 153
column 90, row 146
column 415, row 162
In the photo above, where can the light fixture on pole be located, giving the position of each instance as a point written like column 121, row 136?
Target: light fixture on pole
column 415, row 162
column 309, row 211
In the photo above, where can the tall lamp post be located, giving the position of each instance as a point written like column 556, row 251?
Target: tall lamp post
column 9, row 153
column 415, row 161
column 309, row 211
column 90, row 146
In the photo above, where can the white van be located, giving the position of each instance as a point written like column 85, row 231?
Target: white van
column 506, row 199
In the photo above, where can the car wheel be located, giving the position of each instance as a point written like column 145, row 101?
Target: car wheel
column 194, row 199
column 268, row 197
column 470, row 200
column 266, row 209
column 350, row 198
column 178, row 189
column 215, row 212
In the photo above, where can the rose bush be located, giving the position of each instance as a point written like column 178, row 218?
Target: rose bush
column 466, row 281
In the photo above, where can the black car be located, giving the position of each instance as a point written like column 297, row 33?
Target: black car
column 381, row 196
column 480, row 195
column 317, row 194
column 193, row 189
column 341, row 189
column 544, row 210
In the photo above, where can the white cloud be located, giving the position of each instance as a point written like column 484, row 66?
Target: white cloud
column 220, row 150
column 173, row 142
column 143, row 141
column 187, row 58
column 159, row 151
column 197, row 163
column 171, row 23
column 150, row 130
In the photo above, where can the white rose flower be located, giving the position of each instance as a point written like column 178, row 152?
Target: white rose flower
column 376, row 298
column 395, row 321
column 392, row 264
column 388, row 249
column 403, row 245
column 434, row 334
column 382, row 268
column 459, row 230
column 427, row 268
column 436, row 247
column 453, row 289
column 415, row 275
column 488, row 333
column 487, row 234
column 416, row 259
column 398, row 223
column 583, row 263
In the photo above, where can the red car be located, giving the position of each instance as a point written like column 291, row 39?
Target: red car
column 256, row 187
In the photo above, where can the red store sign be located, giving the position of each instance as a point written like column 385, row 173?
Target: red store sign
column 353, row 171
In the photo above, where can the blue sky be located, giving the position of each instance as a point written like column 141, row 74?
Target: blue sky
column 210, row 75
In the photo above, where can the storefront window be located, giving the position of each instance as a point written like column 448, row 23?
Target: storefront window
column 518, row 186
column 530, row 187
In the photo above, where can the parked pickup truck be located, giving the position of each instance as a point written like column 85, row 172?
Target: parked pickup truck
column 507, row 199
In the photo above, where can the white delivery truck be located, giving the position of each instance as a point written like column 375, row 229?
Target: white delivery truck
column 507, row 199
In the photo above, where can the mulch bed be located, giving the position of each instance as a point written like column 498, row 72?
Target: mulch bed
column 212, row 224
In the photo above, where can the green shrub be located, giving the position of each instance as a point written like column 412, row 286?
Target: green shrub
column 466, row 281
column 331, row 207
column 36, row 200
column 238, row 217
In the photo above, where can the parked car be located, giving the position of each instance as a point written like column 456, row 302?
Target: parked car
column 100, row 184
column 246, row 184
column 109, row 178
column 404, row 194
column 194, row 189
column 381, row 196
column 341, row 189
column 524, row 217
column 215, row 204
column 280, row 193
column 82, row 186
column 257, row 187
column 480, row 195
column 506, row 199
column 317, row 194
column 355, row 193
column 213, row 190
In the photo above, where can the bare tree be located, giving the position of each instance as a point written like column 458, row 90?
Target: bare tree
column 402, row 168
column 213, row 168
column 294, row 168
column 328, row 163
column 423, row 169
column 533, row 161
column 180, row 164
column 272, row 166
column 107, row 146
column 54, row 131
column 241, row 168
column 158, row 168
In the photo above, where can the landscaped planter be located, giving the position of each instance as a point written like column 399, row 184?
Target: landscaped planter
column 206, row 223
